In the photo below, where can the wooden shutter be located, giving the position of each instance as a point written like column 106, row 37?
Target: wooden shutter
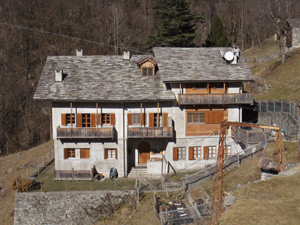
column 165, row 119
column 99, row 119
column 144, row 118
column 63, row 119
column 129, row 118
column 112, row 119
column 78, row 120
column 84, row 153
column 105, row 154
column 116, row 151
column 93, row 120
column 65, row 153
column 175, row 153
column 205, row 152
column 151, row 120
column 191, row 153
column 214, row 117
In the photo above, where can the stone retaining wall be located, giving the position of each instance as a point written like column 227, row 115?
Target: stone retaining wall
column 265, row 58
column 60, row 207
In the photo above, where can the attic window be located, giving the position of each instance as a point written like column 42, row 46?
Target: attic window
column 147, row 67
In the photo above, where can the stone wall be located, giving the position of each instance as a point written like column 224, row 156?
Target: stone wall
column 265, row 58
column 61, row 207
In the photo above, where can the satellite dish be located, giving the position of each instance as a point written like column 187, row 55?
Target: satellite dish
column 229, row 56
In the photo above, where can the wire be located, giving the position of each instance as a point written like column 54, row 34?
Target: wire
column 66, row 36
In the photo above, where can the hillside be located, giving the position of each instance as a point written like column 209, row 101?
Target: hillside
column 12, row 166
column 282, row 81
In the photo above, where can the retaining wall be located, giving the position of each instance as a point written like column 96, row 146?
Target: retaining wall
column 60, row 207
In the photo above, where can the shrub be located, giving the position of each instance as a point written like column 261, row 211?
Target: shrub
column 20, row 184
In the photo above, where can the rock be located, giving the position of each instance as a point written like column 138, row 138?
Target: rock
column 229, row 200
column 239, row 186
column 10, row 170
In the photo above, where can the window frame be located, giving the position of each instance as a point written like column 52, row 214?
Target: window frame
column 180, row 151
column 86, row 120
column 200, row 118
column 212, row 151
column 228, row 148
column 106, row 118
column 136, row 118
column 110, row 152
column 197, row 155
column 69, row 153
column 70, row 119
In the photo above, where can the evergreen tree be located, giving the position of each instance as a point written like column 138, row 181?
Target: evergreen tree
column 218, row 37
column 177, row 24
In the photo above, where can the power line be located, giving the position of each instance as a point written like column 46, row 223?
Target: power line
column 66, row 36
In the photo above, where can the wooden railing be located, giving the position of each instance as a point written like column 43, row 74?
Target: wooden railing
column 150, row 132
column 86, row 132
column 227, row 98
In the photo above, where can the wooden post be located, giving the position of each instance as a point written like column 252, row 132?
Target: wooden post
column 71, row 115
column 142, row 115
column 73, row 174
column 158, row 114
column 97, row 114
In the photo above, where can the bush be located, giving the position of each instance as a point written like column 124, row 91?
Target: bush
column 20, row 184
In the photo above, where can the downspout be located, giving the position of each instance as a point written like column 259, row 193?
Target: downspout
column 124, row 157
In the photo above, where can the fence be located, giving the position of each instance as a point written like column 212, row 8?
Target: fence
column 278, row 106
column 248, row 138
column 202, row 175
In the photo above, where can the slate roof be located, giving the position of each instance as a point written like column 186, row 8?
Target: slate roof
column 294, row 23
column 99, row 78
column 199, row 64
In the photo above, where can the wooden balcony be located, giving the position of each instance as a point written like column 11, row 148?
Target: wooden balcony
column 215, row 99
column 150, row 132
column 86, row 132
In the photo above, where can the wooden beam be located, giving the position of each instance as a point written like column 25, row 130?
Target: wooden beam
column 71, row 115
column 141, row 104
column 158, row 114
column 97, row 114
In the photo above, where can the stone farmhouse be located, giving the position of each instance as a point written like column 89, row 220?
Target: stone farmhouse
column 158, row 111
column 292, row 39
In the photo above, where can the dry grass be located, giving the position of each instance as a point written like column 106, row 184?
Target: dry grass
column 268, row 47
column 14, row 163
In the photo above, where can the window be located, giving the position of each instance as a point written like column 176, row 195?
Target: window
column 147, row 71
column 195, row 118
column 136, row 118
column 70, row 118
column 158, row 120
column 200, row 86
column 110, row 153
column 179, row 153
column 84, row 153
column 69, row 153
column 105, row 118
column 212, row 151
column 197, row 152
column 228, row 149
column 86, row 120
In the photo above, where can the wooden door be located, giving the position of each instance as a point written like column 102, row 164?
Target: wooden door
column 144, row 152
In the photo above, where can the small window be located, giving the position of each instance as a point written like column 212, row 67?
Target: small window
column 110, row 153
column 197, row 152
column 157, row 120
column 70, row 118
column 105, row 118
column 136, row 118
column 212, row 151
column 181, row 153
column 86, row 120
column 200, row 86
column 69, row 153
column 228, row 149
column 195, row 118
column 147, row 71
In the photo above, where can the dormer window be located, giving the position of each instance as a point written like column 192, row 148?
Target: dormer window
column 147, row 67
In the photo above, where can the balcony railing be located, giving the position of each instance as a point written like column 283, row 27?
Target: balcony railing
column 150, row 132
column 211, row 99
column 86, row 132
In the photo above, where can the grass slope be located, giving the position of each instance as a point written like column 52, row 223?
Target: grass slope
column 10, row 168
column 283, row 78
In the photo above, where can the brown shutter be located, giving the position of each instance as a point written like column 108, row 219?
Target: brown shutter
column 151, row 118
column 112, row 119
column 105, row 154
column 129, row 118
column 175, row 153
column 214, row 117
column 191, row 153
column 63, row 119
column 165, row 119
column 116, row 151
column 205, row 152
column 65, row 153
column 82, row 153
column 87, row 153
column 78, row 120
column 93, row 120
column 144, row 118
column 99, row 119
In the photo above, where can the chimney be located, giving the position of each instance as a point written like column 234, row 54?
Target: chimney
column 79, row 52
column 236, row 52
column 126, row 55
column 58, row 75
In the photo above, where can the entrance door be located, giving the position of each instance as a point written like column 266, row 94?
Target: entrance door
column 144, row 152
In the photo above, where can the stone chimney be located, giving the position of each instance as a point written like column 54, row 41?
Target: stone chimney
column 79, row 52
column 126, row 55
column 58, row 75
